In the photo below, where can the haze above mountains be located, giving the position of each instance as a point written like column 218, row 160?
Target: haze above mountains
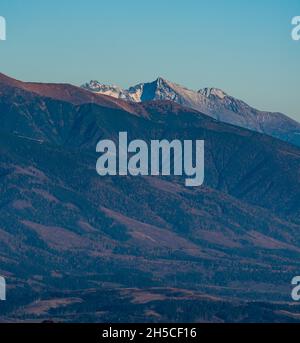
column 210, row 101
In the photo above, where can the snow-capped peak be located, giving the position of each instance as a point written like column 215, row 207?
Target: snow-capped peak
column 96, row 86
column 111, row 90
column 160, row 81
column 208, row 92
column 160, row 89
column 213, row 102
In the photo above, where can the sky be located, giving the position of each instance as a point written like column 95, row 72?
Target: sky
column 243, row 47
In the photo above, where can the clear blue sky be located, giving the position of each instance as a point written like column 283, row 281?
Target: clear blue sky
column 241, row 46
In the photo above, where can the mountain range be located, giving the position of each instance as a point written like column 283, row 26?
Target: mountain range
column 75, row 246
column 211, row 101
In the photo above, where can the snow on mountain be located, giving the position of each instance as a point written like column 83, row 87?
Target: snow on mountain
column 208, row 92
column 114, row 91
column 210, row 101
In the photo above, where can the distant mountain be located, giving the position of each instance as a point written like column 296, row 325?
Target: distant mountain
column 211, row 101
column 75, row 246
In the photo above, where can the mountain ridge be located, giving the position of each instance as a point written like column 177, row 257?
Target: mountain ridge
column 213, row 102
column 62, row 91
